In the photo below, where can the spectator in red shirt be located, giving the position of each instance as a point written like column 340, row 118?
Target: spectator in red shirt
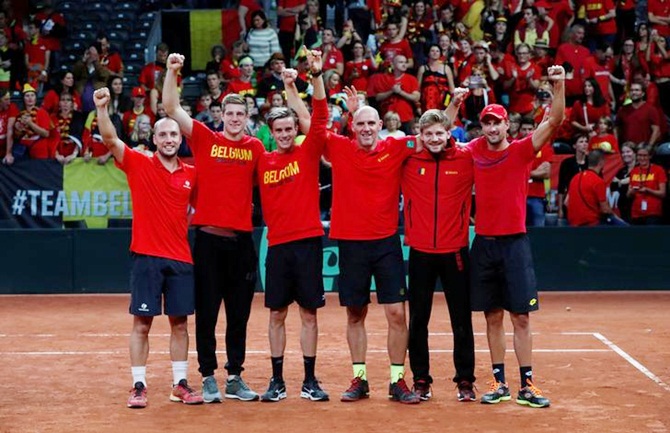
column 37, row 55
column 243, row 85
column 32, row 129
column 648, row 183
column 599, row 66
column 575, row 53
column 395, row 45
column 638, row 121
column 358, row 71
column 66, row 85
column 53, row 29
column 658, row 58
column 8, row 113
column 659, row 16
column 150, row 72
column 108, row 58
column 69, row 128
column 397, row 91
column 587, row 196
column 524, row 81
column 605, row 139
column 540, row 170
column 332, row 56
column 139, row 107
column 287, row 14
column 599, row 15
column 587, row 111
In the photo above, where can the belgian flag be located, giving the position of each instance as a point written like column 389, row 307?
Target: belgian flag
column 193, row 33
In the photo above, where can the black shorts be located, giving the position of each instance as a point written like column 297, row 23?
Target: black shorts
column 153, row 278
column 361, row 260
column 502, row 274
column 293, row 272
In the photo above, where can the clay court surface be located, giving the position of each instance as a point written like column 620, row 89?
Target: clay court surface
column 604, row 363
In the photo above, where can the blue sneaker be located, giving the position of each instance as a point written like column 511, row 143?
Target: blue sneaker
column 276, row 391
column 311, row 390
column 210, row 391
column 236, row 388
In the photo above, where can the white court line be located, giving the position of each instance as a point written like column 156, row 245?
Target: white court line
column 267, row 352
column 125, row 335
column 631, row 361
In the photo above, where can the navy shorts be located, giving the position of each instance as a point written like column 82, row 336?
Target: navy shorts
column 362, row 260
column 153, row 279
column 502, row 274
column 293, row 272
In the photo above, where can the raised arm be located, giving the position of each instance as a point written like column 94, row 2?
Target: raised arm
column 556, row 115
column 294, row 101
column 109, row 138
column 171, row 95
column 457, row 98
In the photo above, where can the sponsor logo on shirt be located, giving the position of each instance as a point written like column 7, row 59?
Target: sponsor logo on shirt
column 641, row 177
column 187, row 184
column 410, row 144
column 383, row 157
column 450, row 172
column 144, row 308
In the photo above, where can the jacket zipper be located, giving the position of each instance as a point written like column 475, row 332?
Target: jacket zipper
column 437, row 178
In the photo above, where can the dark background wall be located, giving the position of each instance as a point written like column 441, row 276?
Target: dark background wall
column 566, row 259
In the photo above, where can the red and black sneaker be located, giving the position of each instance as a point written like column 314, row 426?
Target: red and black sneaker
column 466, row 391
column 423, row 389
column 401, row 393
column 138, row 396
column 358, row 390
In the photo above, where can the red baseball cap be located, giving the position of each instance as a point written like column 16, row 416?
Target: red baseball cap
column 495, row 110
column 138, row 92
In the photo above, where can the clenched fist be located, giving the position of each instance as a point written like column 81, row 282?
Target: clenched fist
column 101, row 97
column 556, row 73
column 175, row 62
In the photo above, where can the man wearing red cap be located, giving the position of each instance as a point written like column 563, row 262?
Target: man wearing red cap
column 502, row 266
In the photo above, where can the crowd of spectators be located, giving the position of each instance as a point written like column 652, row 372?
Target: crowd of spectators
column 402, row 57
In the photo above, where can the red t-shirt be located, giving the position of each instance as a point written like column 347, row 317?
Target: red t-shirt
column 660, row 67
column 593, row 113
column 52, row 99
column 357, row 74
column 289, row 184
column 333, row 57
column 240, row 87
column 389, row 50
column 601, row 73
column 536, row 186
column 129, row 118
column 652, row 177
column 149, row 75
column 38, row 147
column 575, row 55
column 501, row 186
column 635, row 123
column 596, row 9
column 438, row 198
column 602, row 141
column 36, row 50
column 561, row 12
column 366, row 186
column 160, row 205
column 112, row 62
column 522, row 94
column 586, row 191
column 12, row 111
column 660, row 8
column 225, row 178
column 397, row 103
column 287, row 24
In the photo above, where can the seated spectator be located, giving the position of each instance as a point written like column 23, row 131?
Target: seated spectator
column 592, row 106
column 109, row 58
column 569, row 168
column 32, row 129
column 255, row 119
column 156, row 94
column 481, row 58
column 621, row 181
column 37, row 57
column 598, row 67
column 53, row 96
column 262, row 40
column 638, row 121
column 541, row 56
column 140, row 137
column 69, row 129
column 89, row 76
column 214, row 86
column 139, row 108
column 222, row 64
column 151, row 71
column 202, row 107
column 587, row 196
column 605, row 139
column 391, row 126
column 216, row 113
column 514, row 120
column 346, row 43
column 540, row 171
column 648, row 183
column 8, row 114
column 333, row 82
column 243, row 84
column 119, row 102
column 94, row 148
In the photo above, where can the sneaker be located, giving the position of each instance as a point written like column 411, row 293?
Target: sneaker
column 423, row 389
column 138, row 396
column 312, row 390
column 358, row 389
column 531, row 396
column 276, row 391
column 497, row 393
column 400, row 392
column 236, row 388
column 466, row 391
column 185, row 394
column 210, row 391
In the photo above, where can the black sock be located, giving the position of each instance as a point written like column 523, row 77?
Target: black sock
column 526, row 375
column 310, row 362
column 499, row 372
column 278, row 367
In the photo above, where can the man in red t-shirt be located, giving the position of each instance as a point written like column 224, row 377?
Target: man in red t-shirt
column 638, row 121
column 599, row 67
column 224, row 253
column 150, row 72
column 287, row 13
column 574, row 53
column 437, row 190
column 395, row 46
column 599, row 15
column 8, row 114
column 540, row 170
column 288, row 180
column 162, row 269
column 659, row 16
column 587, row 195
column 398, row 92
column 366, row 188
column 648, row 184
column 503, row 277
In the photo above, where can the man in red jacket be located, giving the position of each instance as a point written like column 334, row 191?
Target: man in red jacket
column 437, row 187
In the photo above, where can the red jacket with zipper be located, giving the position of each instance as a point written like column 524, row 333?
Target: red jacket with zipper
column 438, row 198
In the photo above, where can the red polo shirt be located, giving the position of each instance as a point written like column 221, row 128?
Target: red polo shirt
column 501, row 186
column 438, row 198
column 160, row 205
column 366, row 186
column 651, row 177
column 289, row 185
column 225, row 178
column 586, row 191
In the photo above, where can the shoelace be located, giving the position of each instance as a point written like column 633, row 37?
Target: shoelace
column 494, row 385
column 533, row 389
column 403, row 386
column 186, row 387
column 354, row 384
column 138, row 392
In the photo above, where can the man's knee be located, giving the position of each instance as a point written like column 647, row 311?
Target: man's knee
column 356, row 315
column 395, row 314
column 494, row 317
column 521, row 322
column 308, row 318
column 278, row 317
column 179, row 324
column 142, row 325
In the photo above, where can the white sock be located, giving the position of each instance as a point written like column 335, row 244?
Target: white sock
column 139, row 374
column 232, row 376
column 179, row 371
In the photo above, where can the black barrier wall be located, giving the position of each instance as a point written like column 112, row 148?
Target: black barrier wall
column 566, row 259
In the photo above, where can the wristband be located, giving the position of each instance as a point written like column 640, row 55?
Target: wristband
column 316, row 74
